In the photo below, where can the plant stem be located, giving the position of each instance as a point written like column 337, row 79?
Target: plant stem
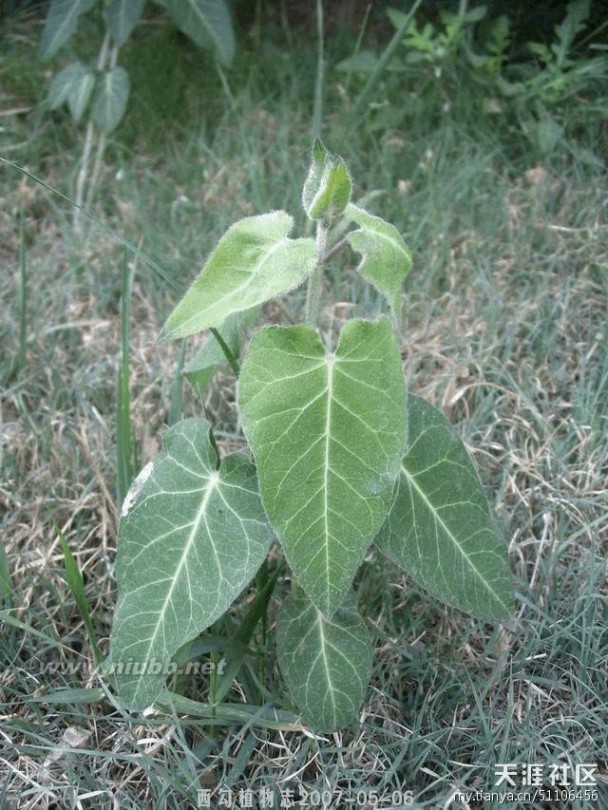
column 313, row 294
column 175, row 409
column 82, row 175
column 234, row 363
column 102, row 59
column 99, row 153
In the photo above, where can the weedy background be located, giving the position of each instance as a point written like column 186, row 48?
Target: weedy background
column 506, row 330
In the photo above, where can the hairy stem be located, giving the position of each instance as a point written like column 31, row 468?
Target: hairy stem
column 313, row 294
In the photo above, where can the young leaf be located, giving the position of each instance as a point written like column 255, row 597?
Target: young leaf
column 72, row 85
column 328, row 434
column 327, row 189
column 121, row 17
column 320, row 158
column 326, row 663
column 111, row 99
column 191, row 537
column 61, row 22
column 386, row 260
column 206, row 22
column 439, row 528
column 253, row 261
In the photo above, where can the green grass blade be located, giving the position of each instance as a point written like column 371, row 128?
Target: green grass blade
column 148, row 260
column 76, row 583
column 6, row 586
column 317, row 115
column 22, row 353
column 124, row 434
column 71, row 695
column 229, row 713
column 7, row 617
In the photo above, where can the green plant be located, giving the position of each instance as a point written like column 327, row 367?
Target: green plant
column 544, row 88
column 535, row 89
column 100, row 88
column 344, row 457
column 438, row 46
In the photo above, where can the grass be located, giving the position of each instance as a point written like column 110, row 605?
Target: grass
column 505, row 330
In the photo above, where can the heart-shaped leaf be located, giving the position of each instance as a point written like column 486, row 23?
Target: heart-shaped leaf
column 74, row 85
column 253, row 261
column 326, row 663
column 111, row 98
column 439, row 528
column 191, row 537
column 328, row 433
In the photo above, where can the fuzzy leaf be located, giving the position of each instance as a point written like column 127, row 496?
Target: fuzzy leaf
column 61, row 22
column 328, row 433
column 328, row 186
column 386, row 260
column 207, row 23
column 326, row 663
column 440, row 529
column 190, row 538
column 253, row 261
column 111, row 99
column 121, row 16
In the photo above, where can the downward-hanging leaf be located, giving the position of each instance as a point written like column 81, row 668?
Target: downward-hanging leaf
column 191, row 537
column 111, row 99
column 61, row 22
column 326, row 663
column 328, row 433
column 386, row 260
column 121, row 17
column 440, row 529
column 207, row 23
column 74, row 85
column 253, row 261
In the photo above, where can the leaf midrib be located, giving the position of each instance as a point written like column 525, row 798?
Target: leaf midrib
column 213, row 482
column 236, row 291
column 412, row 480
column 329, row 365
